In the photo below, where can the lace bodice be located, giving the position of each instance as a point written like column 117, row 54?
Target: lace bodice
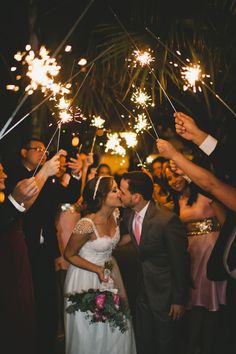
column 99, row 250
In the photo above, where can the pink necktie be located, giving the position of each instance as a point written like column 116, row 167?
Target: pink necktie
column 137, row 227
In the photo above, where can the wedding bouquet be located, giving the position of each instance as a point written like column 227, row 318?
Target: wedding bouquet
column 101, row 306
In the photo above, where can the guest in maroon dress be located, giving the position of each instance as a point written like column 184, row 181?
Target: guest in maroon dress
column 17, row 315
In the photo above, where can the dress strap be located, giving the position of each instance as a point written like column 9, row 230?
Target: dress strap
column 93, row 225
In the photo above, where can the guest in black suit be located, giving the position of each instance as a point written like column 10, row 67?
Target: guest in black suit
column 163, row 265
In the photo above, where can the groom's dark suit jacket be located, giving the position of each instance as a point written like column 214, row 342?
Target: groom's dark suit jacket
column 163, row 260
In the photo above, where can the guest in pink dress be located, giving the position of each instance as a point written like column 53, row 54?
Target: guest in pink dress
column 201, row 215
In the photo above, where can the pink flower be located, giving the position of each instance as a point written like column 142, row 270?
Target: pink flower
column 116, row 299
column 100, row 301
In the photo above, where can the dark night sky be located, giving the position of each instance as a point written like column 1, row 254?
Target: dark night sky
column 54, row 19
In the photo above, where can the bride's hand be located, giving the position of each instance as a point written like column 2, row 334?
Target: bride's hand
column 100, row 273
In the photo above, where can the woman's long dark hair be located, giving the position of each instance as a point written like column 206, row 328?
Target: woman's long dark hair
column 193, row 192
column 95, row 192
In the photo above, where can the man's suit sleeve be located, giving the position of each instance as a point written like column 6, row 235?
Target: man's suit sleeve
column 61, row 194
column 177, row 244
column 215, row 265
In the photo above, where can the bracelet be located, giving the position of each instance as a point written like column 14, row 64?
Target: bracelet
column 75, row 176
column 187, row 178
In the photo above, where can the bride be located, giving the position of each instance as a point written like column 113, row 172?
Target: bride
column 89, row 248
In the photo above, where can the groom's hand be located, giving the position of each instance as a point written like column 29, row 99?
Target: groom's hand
column 176, row 311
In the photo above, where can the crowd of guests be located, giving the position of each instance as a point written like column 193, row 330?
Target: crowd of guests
column 176, row 229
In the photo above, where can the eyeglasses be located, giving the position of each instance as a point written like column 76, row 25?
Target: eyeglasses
column 39, row 149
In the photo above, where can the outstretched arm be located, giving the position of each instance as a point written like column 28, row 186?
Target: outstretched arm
column 27, row 190
column 187, row 128
column 202, row 177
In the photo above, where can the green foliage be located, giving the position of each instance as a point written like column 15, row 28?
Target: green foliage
column 101, row 306
column 205, row 35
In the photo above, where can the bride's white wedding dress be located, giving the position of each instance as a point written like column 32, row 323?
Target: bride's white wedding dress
column 83, row 337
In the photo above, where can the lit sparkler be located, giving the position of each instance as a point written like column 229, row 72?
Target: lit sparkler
column 141, row 98
column 98, row 122
column 41, row 70
column 192, row 74
column 113, row 144
column 65, row 115
column 141, row 123
column 130, row 138
column 142, row 57
column 77, row 113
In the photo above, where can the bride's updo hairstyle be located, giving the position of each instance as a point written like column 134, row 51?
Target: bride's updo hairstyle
column 95, row 192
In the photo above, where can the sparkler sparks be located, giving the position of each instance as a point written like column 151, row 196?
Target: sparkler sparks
column 141, row 123
column 113, row 144
column 192, row 74
column 130, row 138
column 65, row 116
column 141, row 98
column 77, row 114
column 41, row 70
column 142, row 57
column 67, row 113
column 98, row 122
column 63, row 106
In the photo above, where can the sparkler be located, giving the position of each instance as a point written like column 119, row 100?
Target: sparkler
column 3, row 133
column 142, row 57
column 140, row 164
column 43, row 156
column 140, row 161
column 141, row 123
column 11, row 117
column 18, row 57
column 141, row 98
column 41, row 70
column 191, row 75
column 135, row 118
column 130, row 139
column 59, row 135
column 113, row 144
column 134, row 44
column 184, row 65
column 98, row 122
column 77, row 113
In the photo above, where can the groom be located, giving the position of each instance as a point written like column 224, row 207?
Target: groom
column 163, row 265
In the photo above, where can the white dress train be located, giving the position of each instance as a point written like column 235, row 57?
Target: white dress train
column 81, row 336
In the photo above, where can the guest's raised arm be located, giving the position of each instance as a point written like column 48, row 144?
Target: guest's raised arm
column 203, row 178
